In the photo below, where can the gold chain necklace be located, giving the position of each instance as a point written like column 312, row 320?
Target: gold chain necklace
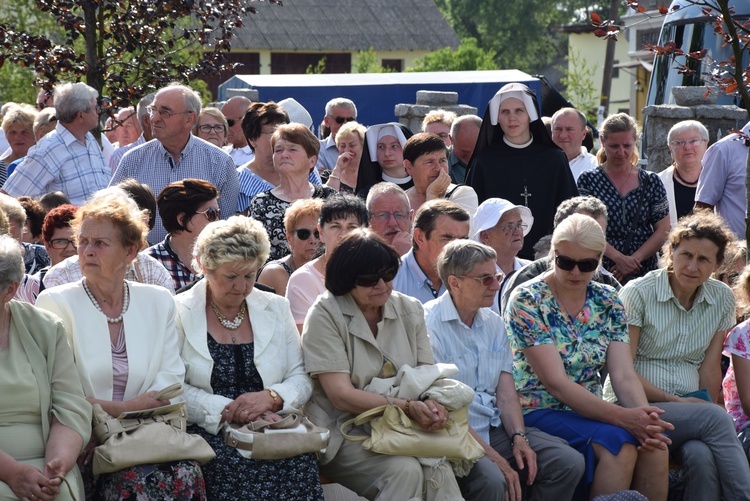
column 230, row 324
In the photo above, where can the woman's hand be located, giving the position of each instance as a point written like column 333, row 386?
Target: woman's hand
column 343, row 163
column 645, row 424
column 28, row 483
column 88, row 452
column 146, row 401
column 624, row 265
column 248, row 407
column 430, row 415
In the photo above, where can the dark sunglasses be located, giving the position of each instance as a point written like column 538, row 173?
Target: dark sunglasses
column 372, row 279
column 584, row 265
column 231, row 122
column 341, row 120
column 212, row 214
column 304, row 233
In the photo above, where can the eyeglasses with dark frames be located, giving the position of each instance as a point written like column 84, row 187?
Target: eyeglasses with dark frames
column 206, row 128
column 584, row 265
column 62, row 243
column 212, row 214
column 304, row 233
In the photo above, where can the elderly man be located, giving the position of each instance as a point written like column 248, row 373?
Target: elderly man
column 234, row 111
column 130, row 129
column 568, row 132
column 463, row 331
column 391, row 215
column 338, row 111
column 436, row 223
column 177, row 154
column 464, row 134
column 144, row 122
column 67, row 159
column 426, row 161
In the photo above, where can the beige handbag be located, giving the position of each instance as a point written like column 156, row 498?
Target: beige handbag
column 148, row 437
column 292, row 436
column 394, row 434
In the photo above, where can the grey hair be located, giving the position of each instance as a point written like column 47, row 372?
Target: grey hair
column 192, row 99
column 457, row 123
column 143, row 104
column 572, row 111
column 11, row 261
column 238, row 238
column 385, row 188
column 341, row 102
column 459, row 257
column 13, row 209
column 43, row 118
column 687, row 125
column 73, row 98
column 587, row 204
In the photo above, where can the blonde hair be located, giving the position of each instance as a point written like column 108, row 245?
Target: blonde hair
column 114, row 204
column 238, row 238
column 581, row 230
column 439, row 116
column 351, row 129
column 619, row 122
column 23, row 115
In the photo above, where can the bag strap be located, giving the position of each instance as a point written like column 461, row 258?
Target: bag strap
column 170, row 392
column 634, row 222
column 70, row 488
column 361, row 419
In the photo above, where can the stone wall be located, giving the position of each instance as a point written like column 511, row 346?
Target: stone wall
column 411, row 115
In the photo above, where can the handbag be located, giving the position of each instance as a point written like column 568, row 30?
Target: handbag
column 146, row 437
column 395, row 434
column 295, row 434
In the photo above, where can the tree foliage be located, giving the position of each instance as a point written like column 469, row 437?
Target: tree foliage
column 126, row 49
column 580, row 88
column 468, row 56
column 367, row 62
column 523, row 34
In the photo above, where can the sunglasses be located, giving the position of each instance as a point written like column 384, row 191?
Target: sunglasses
column 486, row 280
column 304, row 233
column 584, row 265
column 212, row 214
column 232, row 121
column 341, row 120
column 61, row 243
column 372, row 279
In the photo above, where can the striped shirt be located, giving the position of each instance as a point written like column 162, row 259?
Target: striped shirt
column 153, row 165
column 481, row 352
column 673, row 341
column 59, row 161
column 251, row 184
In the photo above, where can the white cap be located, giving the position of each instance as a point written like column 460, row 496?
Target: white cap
column 513, row 90
column 490, row 212
column 297, row 113
column 375, row 132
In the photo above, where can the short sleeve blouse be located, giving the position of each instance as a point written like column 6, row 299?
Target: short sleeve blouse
column 738, row 343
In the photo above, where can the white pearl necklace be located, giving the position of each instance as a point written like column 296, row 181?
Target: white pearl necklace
column 125, row 302
column 230, row 324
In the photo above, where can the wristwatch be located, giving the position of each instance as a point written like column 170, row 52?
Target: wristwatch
column 274, row 396
column 518, row 434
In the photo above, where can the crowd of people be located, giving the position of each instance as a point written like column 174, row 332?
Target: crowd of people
column 596, row 312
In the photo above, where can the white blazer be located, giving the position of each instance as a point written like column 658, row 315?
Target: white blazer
column 150, row 338
column 277, row 353
column 668, row 180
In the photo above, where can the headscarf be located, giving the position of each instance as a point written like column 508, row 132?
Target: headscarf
column 370, row 172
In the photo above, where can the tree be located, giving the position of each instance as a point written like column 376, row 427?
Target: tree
column 579, row 82
column 466, row 57
column 127, row 49
column 367, row 62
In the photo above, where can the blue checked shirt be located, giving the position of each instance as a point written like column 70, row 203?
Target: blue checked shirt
column 181, row 274
column 251, row 184
column 153, row 165
column 481, row 352
column 61, row 162
column 117, row 155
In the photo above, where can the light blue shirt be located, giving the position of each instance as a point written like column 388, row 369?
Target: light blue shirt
column 481, row 352
column 251, row 184
column 412, row 281
column 328, row 155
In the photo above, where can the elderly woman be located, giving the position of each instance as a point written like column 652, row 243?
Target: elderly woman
column 464, row 332
column 212, row 126
column 35, row 213
column 636, row 201
column 295, row 151
column 339, row 216
column 18, row 125
column 564, row 330
column 678, row 318
column 185, row 208
column 687, row 141
column 360, row 329
column 350, row 141
column 244, row 362
column 303, row 237
column 124, row 341
column 45, row 418
column 35, row 257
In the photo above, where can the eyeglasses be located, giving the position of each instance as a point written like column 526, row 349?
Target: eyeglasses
column 486, row 280
column 218, row 128
column 304, row 233
column 584, row 265
column 384, row 216
column 341, row 120
column 212, row 213
column 681, row 143
column 164, row 113
column 511, row 227
column 372, row 279
column 61, row 243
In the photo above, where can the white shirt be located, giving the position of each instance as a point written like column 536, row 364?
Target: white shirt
column 583, row 162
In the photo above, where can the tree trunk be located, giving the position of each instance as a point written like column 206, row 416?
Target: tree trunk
column 609, row 61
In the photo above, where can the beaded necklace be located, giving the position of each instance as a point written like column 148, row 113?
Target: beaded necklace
column 125, row 302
